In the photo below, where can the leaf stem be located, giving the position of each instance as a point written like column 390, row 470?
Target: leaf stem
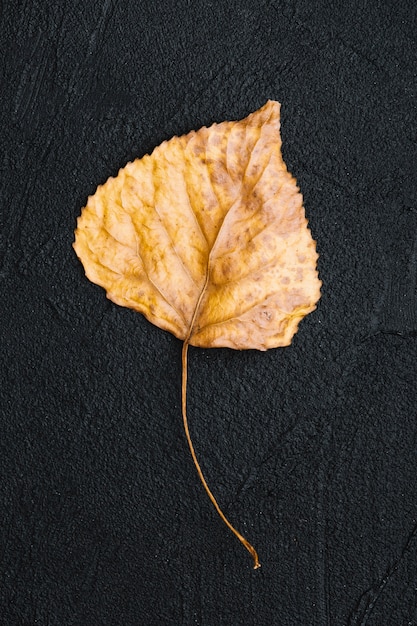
column 246, row 543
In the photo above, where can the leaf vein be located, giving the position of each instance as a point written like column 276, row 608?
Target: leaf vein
column 137, row 251
column 172, row 242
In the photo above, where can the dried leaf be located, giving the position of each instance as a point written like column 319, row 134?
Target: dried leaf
column 207, row 237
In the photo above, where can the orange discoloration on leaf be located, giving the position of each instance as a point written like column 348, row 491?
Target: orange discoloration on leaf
column 207, row 238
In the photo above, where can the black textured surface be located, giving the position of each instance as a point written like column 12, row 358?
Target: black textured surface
column 311, row 449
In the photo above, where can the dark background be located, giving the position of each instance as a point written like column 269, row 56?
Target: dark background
column 311, row 449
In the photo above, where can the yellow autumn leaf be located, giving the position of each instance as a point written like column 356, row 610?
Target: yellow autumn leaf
column 207, row 237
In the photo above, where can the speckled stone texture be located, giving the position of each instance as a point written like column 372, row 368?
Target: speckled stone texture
column 311, row 449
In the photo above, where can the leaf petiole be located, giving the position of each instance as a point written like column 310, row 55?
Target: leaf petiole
column 246, row 543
